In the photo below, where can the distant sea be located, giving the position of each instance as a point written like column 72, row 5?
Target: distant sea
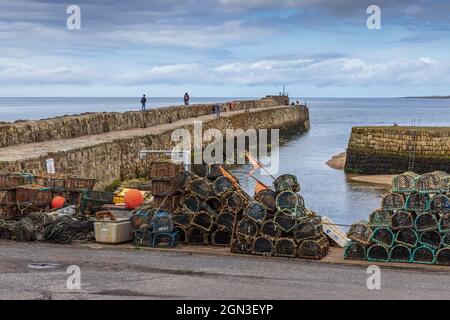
column 325, row 190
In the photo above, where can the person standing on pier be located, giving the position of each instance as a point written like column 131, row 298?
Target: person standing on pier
column 186, row 99
column 143, row 102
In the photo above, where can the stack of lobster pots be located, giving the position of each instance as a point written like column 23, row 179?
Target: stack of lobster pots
column 276, row 223
column 412, row 225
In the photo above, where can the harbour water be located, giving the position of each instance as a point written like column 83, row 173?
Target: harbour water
column 326, row 191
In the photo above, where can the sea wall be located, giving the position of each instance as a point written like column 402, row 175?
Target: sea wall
column 119, row 158
column 385, row 150
column 73, row 126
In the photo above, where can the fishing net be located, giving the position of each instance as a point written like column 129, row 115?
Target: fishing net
column 203, row 220
column 268, row 198
column 256, row 211
column 431, row 239
column 383, row 236
column 213, row 205
column 183, row 179
column 380, row 218
column 247, row 227
column 440, row 203
column 407, row 237
column 393, row 201
column 24, row 230
column 405, row 183
column 360, row 232
column 443, row 256
column 225, row 221
column 201, row 188
column 402, row 220
column 221, row 238
column 192, row 203
column 222, row 185
column 400, row 253
column 306, row 230
column 285, row 247
column 241, row 246
column 196, row 235
column 289, row 200
column 182, row 219
column 423, row 255
column 285, row 220
column 234, row 201
column 263, row 246
column 142, row 237
column 355, row 251
column 287, row 182
column 68, row 230
column 270, row 229
column 313, row 249
column 426, row 221
column 378, row 253
column 444, row 223
column 418, row 202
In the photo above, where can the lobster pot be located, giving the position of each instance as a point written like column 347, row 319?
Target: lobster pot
column 432, row 182
column 444, row 223
column 393, row 201
column 182, row 219
column 79, row 184
column 234, row 201
column 402, row 220
column 256, row 211
column 431, row 239
column 162, row 187
column 142, row 237
column 263, row 246
column 142, row 217
column 285, row 221
column 287, row 182
column 423, row 255
column 268, row 198
column 405, row 182
column 166, row 239
column 191, row 203
column 400, row 253
column 213, row 171
column 56, row 182
column 34, row 195
column 203, row 220
column 182, row 180
column 222, row 185
column 241, row 246
column 169, row 203
column 313, row 249
column 196, row 235
column 11, row 181
column 418, row 202
column 360, row 232
column 225, row 221
column 213, row 205
column 307, row 230
column 164, row 169
column 380, row 218
column 355, row 251
column 443, row 256
column 270, row 229
column 440, row 203
column 289, row 200
column 221, row 238
column 162, row 222
column 285, row 247
column 425, row 222
column 247, row 228
column 7, row 197
column 445, row 242
column 383, row 236
column 300, row 213
column 378, row 253
column 8, row 211
column 407, row 237
column 201, row 188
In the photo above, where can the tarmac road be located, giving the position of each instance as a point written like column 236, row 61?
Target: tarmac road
column 138, row 274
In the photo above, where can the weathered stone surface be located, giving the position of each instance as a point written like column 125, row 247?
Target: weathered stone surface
column 383, row 150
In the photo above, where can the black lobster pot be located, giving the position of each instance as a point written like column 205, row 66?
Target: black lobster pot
column 221, row 238
column 355, row 251
column 285, row 220
column 360, row 232
column 241, row 246
column 287, row 182
column 426, row 222
column 182, row 219
column 256, row 212
column 192, row 203
column 196, row 236
column 313, row 249
column 270, row 229
column 225, row 221
column 203, row 220
column 247, row 228
column 263, row 246
column 285, row 247
column 268, row 198
column 234, row 201
column 201, row 188
column 402, row 220
column 443, row 256
column 400, row 253
column 222, row 185
column 407, row 237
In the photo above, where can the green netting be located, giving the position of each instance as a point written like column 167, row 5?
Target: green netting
column 378, row 253
column 400, row 253
column 423, row 255
column 425, row 222
column 407, row 237
column 383, row 236
column 380, row 218
column 355, row 251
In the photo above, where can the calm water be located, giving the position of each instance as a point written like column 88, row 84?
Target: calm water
column 325, row 190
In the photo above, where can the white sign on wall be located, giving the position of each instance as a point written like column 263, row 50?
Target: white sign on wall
column 50, row 164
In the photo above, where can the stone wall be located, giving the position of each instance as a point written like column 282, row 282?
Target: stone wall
column 119, row 159
column 67, row 127
column 384, row 150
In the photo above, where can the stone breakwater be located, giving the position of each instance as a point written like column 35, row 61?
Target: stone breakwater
column 112, row 155
column 386, row 150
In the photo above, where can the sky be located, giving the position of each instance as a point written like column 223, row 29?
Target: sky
column 224, row 48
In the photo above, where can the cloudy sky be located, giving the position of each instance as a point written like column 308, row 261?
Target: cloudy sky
column 319, row 48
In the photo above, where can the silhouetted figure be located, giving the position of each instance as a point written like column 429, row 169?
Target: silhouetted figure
column 186, row 99
column 143, row 102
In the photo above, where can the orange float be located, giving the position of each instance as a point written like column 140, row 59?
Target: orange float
column 134, row 198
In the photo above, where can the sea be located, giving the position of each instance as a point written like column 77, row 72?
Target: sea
column 325, row 190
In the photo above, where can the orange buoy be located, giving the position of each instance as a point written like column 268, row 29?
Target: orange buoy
column 58, row 202
column 134, row 198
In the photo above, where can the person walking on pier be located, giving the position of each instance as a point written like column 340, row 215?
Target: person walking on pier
column 186, row 99
column 143, row 102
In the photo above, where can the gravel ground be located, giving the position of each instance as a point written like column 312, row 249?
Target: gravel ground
column 138, row 274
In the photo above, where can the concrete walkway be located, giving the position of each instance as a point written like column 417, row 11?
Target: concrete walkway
column 37, row 150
